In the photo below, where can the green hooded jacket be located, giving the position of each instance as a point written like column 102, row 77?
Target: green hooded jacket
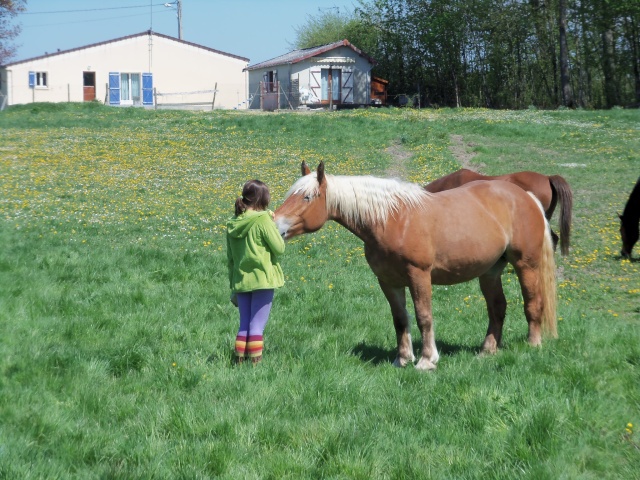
column 253, row 247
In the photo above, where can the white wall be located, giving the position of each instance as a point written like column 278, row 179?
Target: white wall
column 176, row 67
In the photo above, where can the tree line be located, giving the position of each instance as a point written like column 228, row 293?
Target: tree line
column 8, row 31
column 495, row 53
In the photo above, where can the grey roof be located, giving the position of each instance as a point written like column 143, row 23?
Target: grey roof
column 296, row 56
column 148, row 32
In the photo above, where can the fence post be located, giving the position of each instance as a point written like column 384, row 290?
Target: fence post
column 215, row 90
column 155, row 98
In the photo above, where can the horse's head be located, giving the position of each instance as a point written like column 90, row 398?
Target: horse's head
column 305, row 208
column 629, row 234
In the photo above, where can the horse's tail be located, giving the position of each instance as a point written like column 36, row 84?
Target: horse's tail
column 547, row 270
column 565, row 197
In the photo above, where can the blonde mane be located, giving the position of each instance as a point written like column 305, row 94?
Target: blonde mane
column 363, row 199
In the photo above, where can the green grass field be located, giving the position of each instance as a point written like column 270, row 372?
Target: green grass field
column 116, row 331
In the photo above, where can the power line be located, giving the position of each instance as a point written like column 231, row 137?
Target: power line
column 93, row 20
column 91, row 9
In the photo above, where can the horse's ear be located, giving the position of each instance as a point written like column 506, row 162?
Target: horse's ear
column 305, row 168
column 321, row 172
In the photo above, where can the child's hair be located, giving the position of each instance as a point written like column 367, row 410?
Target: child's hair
column 255, row 195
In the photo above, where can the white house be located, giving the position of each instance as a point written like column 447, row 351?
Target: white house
column 139, row 69
column 337, row 74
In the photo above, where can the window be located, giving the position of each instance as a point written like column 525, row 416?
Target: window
column 130, row 93
column 38, row 80
column 270, row 79
column 128, row 89
column 41, row 79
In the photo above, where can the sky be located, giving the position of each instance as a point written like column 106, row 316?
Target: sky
column 255, row 29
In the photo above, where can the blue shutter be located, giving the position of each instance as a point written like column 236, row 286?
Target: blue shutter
column 114, row 88
column 32, row 79
column 147, row 88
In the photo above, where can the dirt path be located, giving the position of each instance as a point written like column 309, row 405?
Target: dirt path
column 460, row 151
column 399, row 157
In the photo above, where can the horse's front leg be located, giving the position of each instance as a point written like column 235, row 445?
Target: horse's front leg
column 420, row 289
column 398, row 303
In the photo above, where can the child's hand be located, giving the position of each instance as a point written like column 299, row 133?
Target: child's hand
column 234, row 299
column 273, row 215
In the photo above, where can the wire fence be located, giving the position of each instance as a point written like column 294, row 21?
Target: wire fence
column 193, row 100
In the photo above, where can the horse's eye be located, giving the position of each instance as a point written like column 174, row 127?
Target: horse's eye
column 307, row 198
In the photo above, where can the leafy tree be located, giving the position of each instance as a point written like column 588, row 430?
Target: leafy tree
column 330, row 26
column 567, row 93
column 629, row 13
column 8, row 10
column 496, row 54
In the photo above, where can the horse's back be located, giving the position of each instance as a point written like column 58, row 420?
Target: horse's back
column 529, row 181
column 489, row 191
column 453, row 180
column 632, row 206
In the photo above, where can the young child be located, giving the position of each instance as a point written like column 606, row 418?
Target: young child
column 253, row 246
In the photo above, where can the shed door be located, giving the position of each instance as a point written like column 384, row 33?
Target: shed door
column 331, row 83
column 347, row 85
column 315, row 85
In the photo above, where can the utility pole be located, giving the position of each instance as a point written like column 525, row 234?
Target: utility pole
column 178, row 5
column 179, row 2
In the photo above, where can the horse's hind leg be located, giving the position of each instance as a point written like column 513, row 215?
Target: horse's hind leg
column 398, row 303
column 533, row 302
column 491, row 286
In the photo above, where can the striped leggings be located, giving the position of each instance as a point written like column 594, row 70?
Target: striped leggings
column 254, row 308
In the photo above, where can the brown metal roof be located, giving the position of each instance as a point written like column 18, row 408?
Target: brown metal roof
column 305, row 53
column 148, row 32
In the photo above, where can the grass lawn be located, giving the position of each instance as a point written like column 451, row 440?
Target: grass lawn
column 116, row 331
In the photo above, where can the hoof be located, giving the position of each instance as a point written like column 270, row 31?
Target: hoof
column 535, row 342
column 425, row 364
column 489, row 347
column 401, row 362
column 485, row 352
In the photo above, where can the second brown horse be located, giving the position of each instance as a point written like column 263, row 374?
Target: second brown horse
column 550, row 190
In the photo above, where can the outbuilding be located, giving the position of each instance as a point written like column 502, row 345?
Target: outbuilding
column 336, row 75
column 146, row 69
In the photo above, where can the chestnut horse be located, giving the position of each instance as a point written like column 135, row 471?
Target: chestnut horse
column 548, row 189
column 416, row 239
column 629, row 221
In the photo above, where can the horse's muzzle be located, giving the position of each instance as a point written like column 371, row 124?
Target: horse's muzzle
column 283, row 226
